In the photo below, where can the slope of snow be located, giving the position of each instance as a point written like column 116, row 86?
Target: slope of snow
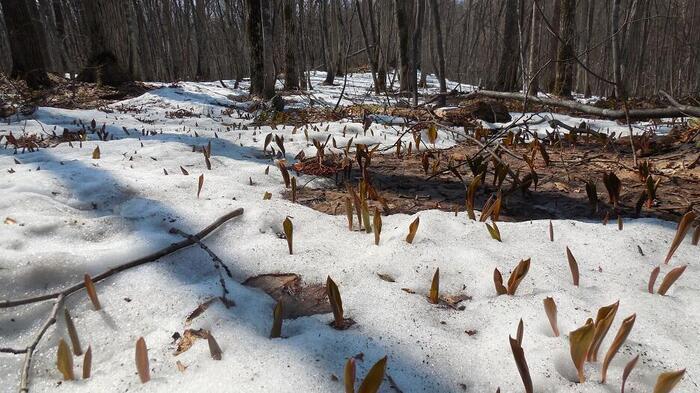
column 75, row 215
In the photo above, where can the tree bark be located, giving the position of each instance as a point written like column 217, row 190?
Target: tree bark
column 25, row 42
column 417, row 37
column 269, row 77
column 564, row 78
column 402, row 24
column 615, row 42
column 255, row 39
column 440, row 52
column 291, row 77
column 533, row 86
column 507, row 77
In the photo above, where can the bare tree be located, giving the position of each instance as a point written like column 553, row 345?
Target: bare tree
column 291, row 77
column 507, row 76
column 563, row 83
column 401, row 15
column 437, row 26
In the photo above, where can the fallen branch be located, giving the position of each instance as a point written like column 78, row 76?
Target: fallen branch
column 137, row 262
column 688, row 110
column 613, row 114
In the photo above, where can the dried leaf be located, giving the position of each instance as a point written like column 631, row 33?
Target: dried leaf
column 614, row 186
column 433, row 297
column 294, row 189
column 92, row 293
column 550, row 308
column 517, row 275
column 184, row 172
column 200, row 183
column 189, row 336
column 619, row 223
column 670, row 278
column 412, row 229
column 87, row 363
column 267, row 196
column 142, row 361
column 373, row 379
column 626, row 373
column 214, row 349
column 620, row 338
column 471, row 192
column 683, row 227
column 498, row 281
column 551, row 231
column 365, row 216
column 96, row 153
column 592, row 195
column 573, row 266
column 348, row 211
column 667, row 381
column 199, row 310
column 180, row 367
column 521, row 363
column 282, row 165
column 432, row 134
column 349, row 375
column 277, row 321
column 377, row 225
column 386, row 277
column 268, row 139
column 652, row 279
column 72, row 333
column 64, row 361
column 579, row 342
column 493, row 231
column 520, row 332
column 288, row 232
column 696, row 236
column 335, row 300
column 603, row 321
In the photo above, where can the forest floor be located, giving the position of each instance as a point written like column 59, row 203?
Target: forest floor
column 92, row 178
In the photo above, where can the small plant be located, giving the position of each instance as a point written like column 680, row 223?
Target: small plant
column 493, row 231
column 377, row 225
column 620, row 337
column 349, row 375
column 521, row 363
column 550, row 308
column 627, row 371
column 87, row 363
column 652, row 279
column 681, row 231
column 551, row 231
column 339, row 322
column 294, row 189
column 214, row 349
column 373, row 379
column 64, row 361
column 514, row 280
column 670, row 278
column 432, row 134
column 267, row 196
column 696, row 235
column 200, row 184
column 471, row 192
column 288, row 232
column 433, row 297
column 619, row 223
column 579, row 342
column 614, row 186
column 365, row 216
column 92, row 293
column 348, row 211
column 603, row 321
column 282, row 165
column 96, row 153
column 667, row 381
column 412, row 229
column 72, row 333
column 276, row 331
column 142, row 361
column 573, row 266
column 592, row 194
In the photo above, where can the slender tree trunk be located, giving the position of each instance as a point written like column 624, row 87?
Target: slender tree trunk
column 507, row 77
column 25, row 42
column 328, row 47
column 291, row 77
column 269, row 76
column 255, row 43
column 417, row 38
column 437, row 25
column 368, row 47
column 615, row 42
column 532, row 61
column 402, row 23
column 589, row 36
column 564, row 78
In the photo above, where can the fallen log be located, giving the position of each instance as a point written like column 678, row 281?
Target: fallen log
column 613, row 114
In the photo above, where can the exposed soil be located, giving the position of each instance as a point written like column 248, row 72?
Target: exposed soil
column 560, row 192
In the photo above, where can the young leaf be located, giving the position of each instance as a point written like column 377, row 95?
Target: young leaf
column 619, row 223
column 142, row 361
column 64, row 361
column 627, row 371
column 92, row 293
column 579, row 342
column 72, row 333
column 620, row 338
column 277, row 321
column 267, row 196
column 214, row 349
column 87, row 363
column 551, row 231
column 288, row 232
column 614, row 186
column 335, row 300
column 667, row 381
column 520, row 332
column 592, row 195
column 493, row 231
column 349, row 375
column 377, row 225
column 294, row 189
column 200, row 183
column 365, row 216
column 683, row 227
column 696, row 236
column 521, row 363
column 281, row 164
column 670, row 278
column 517, row 275
column 498, row 281
column 603, row 321
column 412, row 229
column 96, row 153
column 373, row 379
column 573, row 266
column 348, row 211
column 652, row 279
column 550, row 307
column 471, row 191
column 433, row 297
column 432, row 134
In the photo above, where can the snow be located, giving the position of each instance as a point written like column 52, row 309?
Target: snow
column 75, row 215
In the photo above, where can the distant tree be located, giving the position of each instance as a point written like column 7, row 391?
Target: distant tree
column 437, row 25
column 507, row 76
column 25, row 42
column 255, row 38
column 564, row 78
column 402, row 21
column 291, row 75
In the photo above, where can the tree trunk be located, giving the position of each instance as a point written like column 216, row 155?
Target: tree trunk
column 402, row 24
column 615, row 42
column 564, row 79
column 417, row 37
column 532, row 61
column 507, row 77
column 25, row 42
column 589, row 35
column 269, row 76
column 291, row 77
column 255, row 43
column 328, row 47
column 440, row 51
column 200, row 31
